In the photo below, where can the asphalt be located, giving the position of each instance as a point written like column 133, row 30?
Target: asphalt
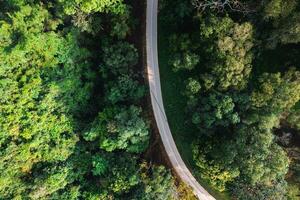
column 158, row 107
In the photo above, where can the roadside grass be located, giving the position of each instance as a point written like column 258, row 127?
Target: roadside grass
column 172, row 85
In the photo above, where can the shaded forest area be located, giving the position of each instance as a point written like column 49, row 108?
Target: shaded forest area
column 241, row 68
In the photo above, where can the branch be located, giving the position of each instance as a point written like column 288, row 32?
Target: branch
column 221, row 5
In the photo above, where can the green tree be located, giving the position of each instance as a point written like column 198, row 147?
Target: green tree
column 294, row 119
column 230, row 57
column 123, row 173
column 125, row 88
column 277, row 93
column 120, row 128
column 89, row 6
column 42, row 73
column 215, row 110
column 157, row 183
column 274, row 191
column 274, row 9
column 119, row 58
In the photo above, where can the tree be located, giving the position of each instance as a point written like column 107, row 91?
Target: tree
column 123, row 173
column 276, row 92
column 120, row 128
column 274, row 9
column 274, row 191
column 100, row 165
column 125, row 88
column 286, row 32
column 294, row 119
column 42, row 73
column 230, row 57
column 157, row 183
column 184, row 57
column 215, row 110
column 216, row 171
column 121, row 24
column 89, row 6
column 285, row 19
column 119, row 58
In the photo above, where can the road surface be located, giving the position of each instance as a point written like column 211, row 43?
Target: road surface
column 158, row 107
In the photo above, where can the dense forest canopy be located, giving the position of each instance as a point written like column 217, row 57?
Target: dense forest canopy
column 242, row 90
column 72, row 122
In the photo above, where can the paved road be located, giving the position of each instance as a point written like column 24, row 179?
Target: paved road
column 158, row 107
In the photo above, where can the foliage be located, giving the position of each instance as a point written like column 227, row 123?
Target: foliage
column 119, row 58
column 230, row 58
column 278, row 8
column 53, row 145
column 236, row 93
column 274, row 191
column 100, row 165
column 124, row 89
column 37, row 68
column 215, row 172
column 120, row 128
column 122, row 174
column 285, row 20
column 183, row 57
column 158, row 183
column 89, row 6
column 215, row 110
column 294, row 119
column 277, row 93
column 121, row 24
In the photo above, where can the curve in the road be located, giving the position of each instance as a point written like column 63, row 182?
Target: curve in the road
column 158, row 107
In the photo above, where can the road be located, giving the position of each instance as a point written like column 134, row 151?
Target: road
column 158, row 107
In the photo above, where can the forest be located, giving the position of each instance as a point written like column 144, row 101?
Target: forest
column 73, row 124
column 238, row 66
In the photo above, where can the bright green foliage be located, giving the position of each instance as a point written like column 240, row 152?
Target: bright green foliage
column 119, row 58
column 37, row 68
column 193, row 86
column 53, row 179
column 215, row 110
column 50, row 93
column 125, row 89
column 120, row 128
column 230, row 57
column 90, row 6
column 193, row 89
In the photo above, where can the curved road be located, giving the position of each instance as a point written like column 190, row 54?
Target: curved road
column 158, row 107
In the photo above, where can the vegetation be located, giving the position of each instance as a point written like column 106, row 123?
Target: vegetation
column 243, row 110
column 72, row 122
